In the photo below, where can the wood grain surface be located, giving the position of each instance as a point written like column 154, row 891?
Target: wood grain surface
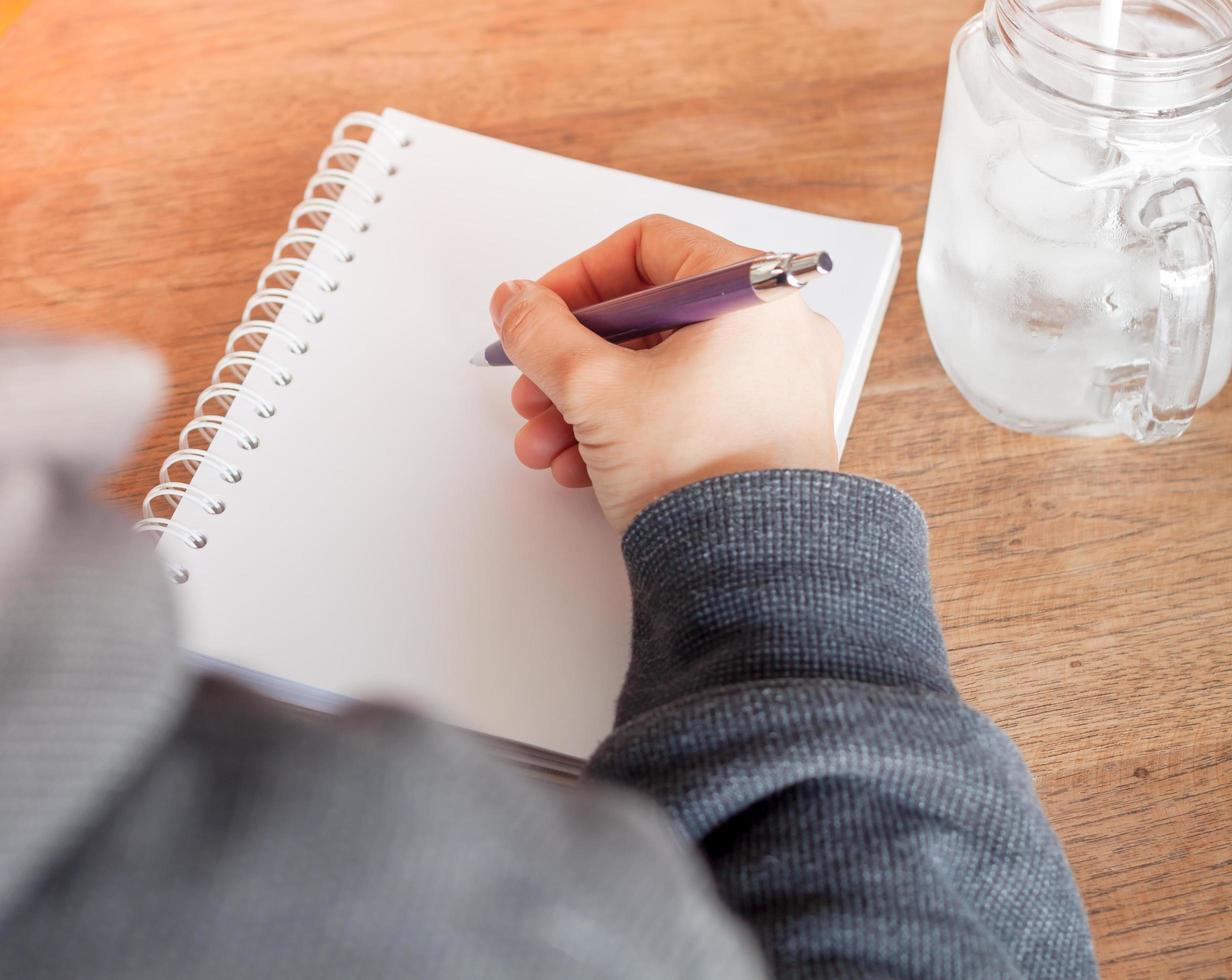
column 153, row 150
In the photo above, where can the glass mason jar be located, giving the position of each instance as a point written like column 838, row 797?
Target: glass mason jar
column 1081, row 216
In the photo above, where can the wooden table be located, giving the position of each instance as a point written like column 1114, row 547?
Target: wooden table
column 154, row 149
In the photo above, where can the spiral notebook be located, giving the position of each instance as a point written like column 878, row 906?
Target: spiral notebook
column 344, row 517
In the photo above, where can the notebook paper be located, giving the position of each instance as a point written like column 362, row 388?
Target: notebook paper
column 383, row 542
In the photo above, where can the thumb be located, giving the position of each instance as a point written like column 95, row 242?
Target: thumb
column 542, row 337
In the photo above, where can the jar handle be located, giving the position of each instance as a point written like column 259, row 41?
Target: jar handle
column 1176, row 220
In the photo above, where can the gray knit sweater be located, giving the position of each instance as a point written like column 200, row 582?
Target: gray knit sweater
column 793, row 783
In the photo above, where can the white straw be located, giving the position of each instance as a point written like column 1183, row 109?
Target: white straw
column 1109, row 37
column 1109, row 22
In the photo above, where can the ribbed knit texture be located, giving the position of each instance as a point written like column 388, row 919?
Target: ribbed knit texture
column 89, row 686
column 263, row 843
column 790, row 705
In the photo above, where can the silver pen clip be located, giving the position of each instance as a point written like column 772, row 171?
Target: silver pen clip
column 781, row 271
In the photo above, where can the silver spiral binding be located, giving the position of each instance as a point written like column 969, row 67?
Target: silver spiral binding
column 336, row 181
column 273, row 299
column 262, row 329
column 349, row 149
column 194, row 458
column 245, row 347
column 280, row 270
column 242, row 361
column 227, row 392
column 178, row 491
column 214, row 424
column 302, row 240
column 319, row 209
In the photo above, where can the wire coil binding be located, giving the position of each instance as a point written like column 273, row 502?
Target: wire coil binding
column 245, row 343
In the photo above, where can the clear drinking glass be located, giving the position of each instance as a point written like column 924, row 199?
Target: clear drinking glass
column 1081, row 216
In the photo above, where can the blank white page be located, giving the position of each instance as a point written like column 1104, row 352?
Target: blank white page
column 383, row 542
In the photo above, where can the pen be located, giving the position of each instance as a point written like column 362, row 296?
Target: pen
column 763, row 278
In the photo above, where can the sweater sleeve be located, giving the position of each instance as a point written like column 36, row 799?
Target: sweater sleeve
column 789, row 703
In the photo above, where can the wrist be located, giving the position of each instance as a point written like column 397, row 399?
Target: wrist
column 802, row 457
column 793, row 573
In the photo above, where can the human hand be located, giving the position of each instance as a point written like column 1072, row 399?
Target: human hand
column 749, row 390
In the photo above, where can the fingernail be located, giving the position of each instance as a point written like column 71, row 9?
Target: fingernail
column 505, row 294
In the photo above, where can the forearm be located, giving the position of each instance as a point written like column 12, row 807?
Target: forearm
column 790, row 704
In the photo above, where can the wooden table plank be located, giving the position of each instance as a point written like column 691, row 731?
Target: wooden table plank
column 154, row 149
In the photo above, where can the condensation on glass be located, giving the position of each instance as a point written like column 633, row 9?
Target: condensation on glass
column 1081, row 217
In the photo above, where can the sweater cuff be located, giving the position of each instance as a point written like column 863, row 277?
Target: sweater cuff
column 780, row 574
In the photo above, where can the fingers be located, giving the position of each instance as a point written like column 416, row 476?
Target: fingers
column 569, row 470
column 568, row 372
column 546, row 442
column 528, row 398
column 544, row 339
column 542, row 439
column 651, row 250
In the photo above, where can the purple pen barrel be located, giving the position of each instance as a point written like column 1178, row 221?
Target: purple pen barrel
column 672, row 304
column 693, row 300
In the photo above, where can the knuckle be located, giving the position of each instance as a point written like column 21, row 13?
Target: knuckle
column 584, row 380
column 658, row 220
column 705, row 254
column 828, row 344
column 574, row 382
column 830, row 337
column 712, row 253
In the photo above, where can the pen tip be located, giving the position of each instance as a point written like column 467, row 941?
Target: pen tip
column 480, row 360
column 824, row 262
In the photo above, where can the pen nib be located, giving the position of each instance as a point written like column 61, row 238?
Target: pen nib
column 479, row 360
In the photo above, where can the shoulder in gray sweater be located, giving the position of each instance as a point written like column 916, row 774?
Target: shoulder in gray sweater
column 793, row 785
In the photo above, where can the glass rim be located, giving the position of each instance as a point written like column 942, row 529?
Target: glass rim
column 1118, row 61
